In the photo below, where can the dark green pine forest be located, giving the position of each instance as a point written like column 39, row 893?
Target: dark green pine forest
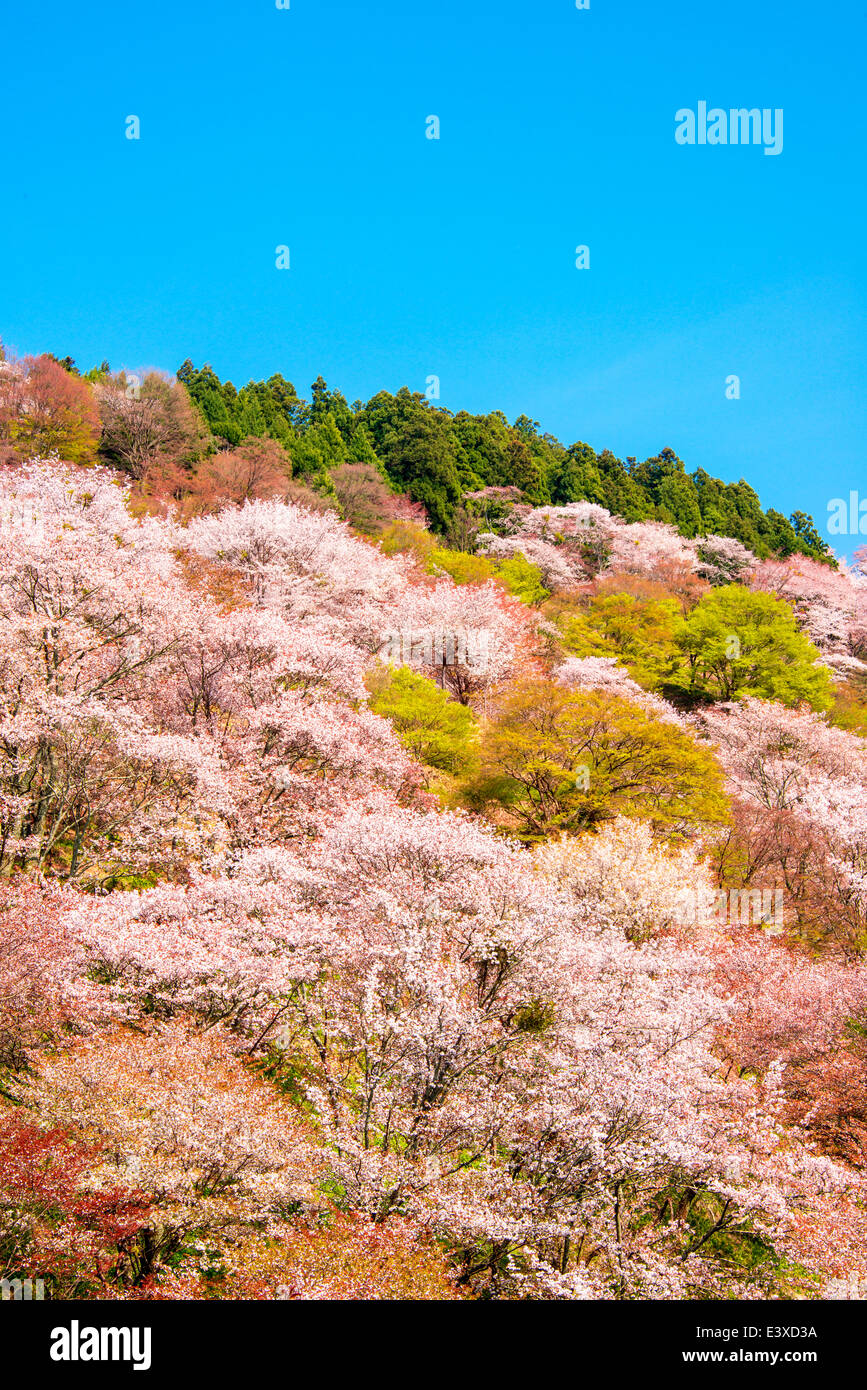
column 437, row 458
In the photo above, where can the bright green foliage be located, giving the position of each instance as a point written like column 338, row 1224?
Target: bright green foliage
column 640, row 631
column 517, row 574
column 556, row 760
column 429, row 724
column 463, row 568
column 581, row 637
column 523, row 579
column 735, row 643
column 404, row 536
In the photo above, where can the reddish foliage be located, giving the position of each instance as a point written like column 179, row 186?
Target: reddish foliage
column 53, row 1227
column 45, row 410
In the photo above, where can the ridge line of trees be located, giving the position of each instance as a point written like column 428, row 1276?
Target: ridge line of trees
column 458, row 466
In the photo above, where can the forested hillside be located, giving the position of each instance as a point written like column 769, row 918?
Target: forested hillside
column 437, row 459
column 433, row 861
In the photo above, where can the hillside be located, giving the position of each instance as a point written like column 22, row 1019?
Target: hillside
column 467, row 902
column 438, row 460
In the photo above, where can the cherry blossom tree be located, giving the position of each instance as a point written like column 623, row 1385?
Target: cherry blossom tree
column 800, row 822
column 559, row 572
column 831, row 605
column 88, row 624
column 604, row 673
column 44, row 989
column 466, row 637
column 723, row 560
column 643, row 885
column 54, row 1226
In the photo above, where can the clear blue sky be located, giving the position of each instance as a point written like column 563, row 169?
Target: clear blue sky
column 412, row 257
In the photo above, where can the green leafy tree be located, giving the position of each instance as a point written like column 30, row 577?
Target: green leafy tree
column 463, row 568
column 547, row 454
column 555, row 760
column 778, row 534
column 482, row 449
column 736, row 643
column 430, row 725
column 423, row 465
column 805, row 529
column 525, row 470
column 361, row 448
column 677, row 503
column 516, row 574
column 99, row 375
column 329, row 441
column 418, row 449
column 622, row 494
column 404, row 536
column 523, row 579
column 640, row 631
column 575, row 477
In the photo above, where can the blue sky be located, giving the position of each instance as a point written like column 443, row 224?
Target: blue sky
column 412, row 257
